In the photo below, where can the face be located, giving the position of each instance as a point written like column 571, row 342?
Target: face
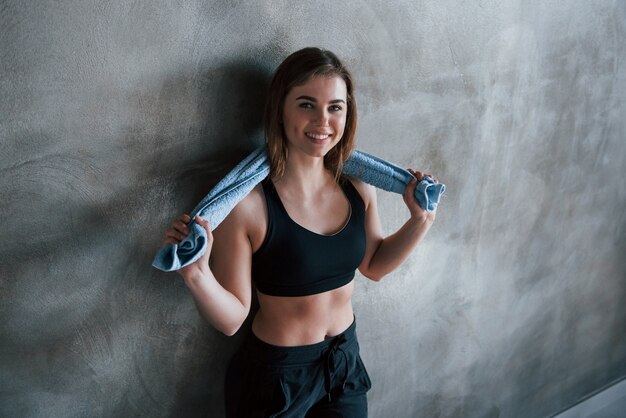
column 314, row 115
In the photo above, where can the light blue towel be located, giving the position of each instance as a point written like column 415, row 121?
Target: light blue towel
column 253, row 169
column 387, row 176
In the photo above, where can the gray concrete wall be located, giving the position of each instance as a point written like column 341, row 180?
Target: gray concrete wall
column 117, row 116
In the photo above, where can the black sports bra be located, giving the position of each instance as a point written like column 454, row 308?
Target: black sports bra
column 294, row 261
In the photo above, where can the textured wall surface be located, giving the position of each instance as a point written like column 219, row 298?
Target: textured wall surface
column 116, row 116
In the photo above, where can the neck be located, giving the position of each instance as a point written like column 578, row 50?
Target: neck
column 305, row 173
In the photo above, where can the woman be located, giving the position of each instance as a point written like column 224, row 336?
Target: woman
column 299, row 236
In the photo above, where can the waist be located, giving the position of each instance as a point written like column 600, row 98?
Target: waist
column 267, row 353
column 290, row 321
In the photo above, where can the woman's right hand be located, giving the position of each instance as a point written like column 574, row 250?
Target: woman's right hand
column 178, row 232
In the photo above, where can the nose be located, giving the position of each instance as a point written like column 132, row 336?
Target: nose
column 322, row 116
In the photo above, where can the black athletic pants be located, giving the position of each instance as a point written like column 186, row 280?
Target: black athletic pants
column 326, row 379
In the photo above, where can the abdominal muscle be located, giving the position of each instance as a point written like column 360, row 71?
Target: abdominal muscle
column 303, row 320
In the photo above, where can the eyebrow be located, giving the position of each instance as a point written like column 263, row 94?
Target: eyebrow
column 313, row 99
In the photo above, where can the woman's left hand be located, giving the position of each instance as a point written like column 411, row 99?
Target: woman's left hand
column 415, row 209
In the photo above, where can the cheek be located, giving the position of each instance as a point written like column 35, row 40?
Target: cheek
column 291, row 125
column 340, row 124
column 292, row 119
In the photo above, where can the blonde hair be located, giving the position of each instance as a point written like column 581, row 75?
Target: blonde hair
column 296, row 70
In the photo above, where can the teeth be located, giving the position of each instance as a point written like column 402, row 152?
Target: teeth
column 319, row 137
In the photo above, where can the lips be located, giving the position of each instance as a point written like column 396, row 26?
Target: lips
column 318, row 136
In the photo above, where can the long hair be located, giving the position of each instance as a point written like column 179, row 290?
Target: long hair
column 296, row 70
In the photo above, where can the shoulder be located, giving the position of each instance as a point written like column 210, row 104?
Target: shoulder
column 246, row 212
column 367, row 191
column 250, row 205
column 246, row 221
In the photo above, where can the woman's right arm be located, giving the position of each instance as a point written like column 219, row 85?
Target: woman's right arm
column 222, row 291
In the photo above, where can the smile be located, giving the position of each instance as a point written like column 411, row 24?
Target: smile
column 319, row 137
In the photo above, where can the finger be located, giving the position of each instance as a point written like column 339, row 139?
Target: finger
column 181, row 227
column 171, row 241
column 172, row 233
column 204, row 223
column 185, row 218
column 409, row 191
column 432, row 177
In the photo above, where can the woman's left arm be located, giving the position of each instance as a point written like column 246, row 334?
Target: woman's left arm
column 385, row 254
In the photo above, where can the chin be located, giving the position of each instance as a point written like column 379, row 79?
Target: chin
column 322, row 152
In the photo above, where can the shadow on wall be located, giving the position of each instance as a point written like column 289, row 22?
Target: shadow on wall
column 231, row 102
column 224, row 125
column 91, row 317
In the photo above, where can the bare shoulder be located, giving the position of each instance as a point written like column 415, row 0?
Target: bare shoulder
column 248, row 218
column 367, row 191
column 246, row 212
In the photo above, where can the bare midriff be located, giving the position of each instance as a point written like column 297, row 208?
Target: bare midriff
column 302, row 320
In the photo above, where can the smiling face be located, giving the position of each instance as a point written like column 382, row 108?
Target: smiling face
column 314, row 115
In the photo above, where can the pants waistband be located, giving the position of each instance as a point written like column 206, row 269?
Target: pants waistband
column 297, row 355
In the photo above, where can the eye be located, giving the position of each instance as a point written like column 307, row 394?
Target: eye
column 335, row 108
column 306, row 105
